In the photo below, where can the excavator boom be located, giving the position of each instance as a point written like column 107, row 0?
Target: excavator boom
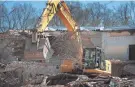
column 47, row 15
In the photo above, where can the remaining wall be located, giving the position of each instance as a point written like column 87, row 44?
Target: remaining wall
column 116, row 45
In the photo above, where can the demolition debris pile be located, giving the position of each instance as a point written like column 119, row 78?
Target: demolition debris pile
column 66, row 46
column 30, row 74
column 24, row 72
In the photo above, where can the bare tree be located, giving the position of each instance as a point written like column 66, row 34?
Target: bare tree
column 131, row 11
column 122, row 13
column 24, row 16
column 76, row 11
column 21, row 16
column 3, row 12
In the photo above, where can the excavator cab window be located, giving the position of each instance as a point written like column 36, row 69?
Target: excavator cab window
column 91, row 58
column 98, row 58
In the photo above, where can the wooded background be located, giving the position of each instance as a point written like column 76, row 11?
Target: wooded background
column 25, row 16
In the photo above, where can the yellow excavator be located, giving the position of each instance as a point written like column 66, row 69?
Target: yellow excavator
column 60, row 8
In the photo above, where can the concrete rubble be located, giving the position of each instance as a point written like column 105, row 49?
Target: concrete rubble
column 31, row 74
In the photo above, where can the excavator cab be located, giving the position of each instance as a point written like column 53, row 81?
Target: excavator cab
column 91, row 58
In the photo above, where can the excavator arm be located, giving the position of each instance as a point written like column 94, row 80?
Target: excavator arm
column 67, row 19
